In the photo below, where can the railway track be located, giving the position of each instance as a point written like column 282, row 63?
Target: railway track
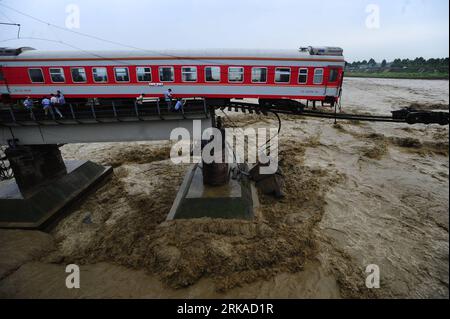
column 129, row 109
column 407, row 115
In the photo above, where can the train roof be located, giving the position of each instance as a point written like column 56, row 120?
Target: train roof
column 31, row 54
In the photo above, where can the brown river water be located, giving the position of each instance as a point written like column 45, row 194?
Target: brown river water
column 357, row 193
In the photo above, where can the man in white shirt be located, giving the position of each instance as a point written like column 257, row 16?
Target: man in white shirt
column 28, row 104
column 54, row 101
column 168, row 99
column 46, row 104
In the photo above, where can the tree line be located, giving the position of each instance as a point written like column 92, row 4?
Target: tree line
column 433, row 64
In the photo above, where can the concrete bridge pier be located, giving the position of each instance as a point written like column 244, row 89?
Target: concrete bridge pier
column 215, row 190
column 34, row 165
column 44, row 185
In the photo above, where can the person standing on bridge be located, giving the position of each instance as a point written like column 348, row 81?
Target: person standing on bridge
column 61, row 98
column 28, row 104
column 54, row 101
column 46, row 104
column 179, row 105
column 168, row 99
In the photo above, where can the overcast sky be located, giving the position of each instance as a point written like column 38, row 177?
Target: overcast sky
column 375, row 28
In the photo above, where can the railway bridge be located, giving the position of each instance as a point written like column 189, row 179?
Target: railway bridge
column 110, row 121
column 45, row 185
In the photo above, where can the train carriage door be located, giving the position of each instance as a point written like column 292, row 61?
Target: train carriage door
column 332, row 81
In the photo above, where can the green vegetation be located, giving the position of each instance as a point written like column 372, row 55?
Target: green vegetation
column 399, row 75
column 418, row 68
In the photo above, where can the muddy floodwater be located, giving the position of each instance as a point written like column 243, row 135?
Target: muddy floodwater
column 357, row 194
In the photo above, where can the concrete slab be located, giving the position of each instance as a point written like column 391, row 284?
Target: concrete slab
column 43, row 206
column 235, row 200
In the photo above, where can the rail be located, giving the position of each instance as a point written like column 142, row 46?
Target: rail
column 153, row 109
column 406, row 115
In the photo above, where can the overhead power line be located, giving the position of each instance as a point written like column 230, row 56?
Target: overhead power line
column 101, row 39
column 7, row 18
column 85, row 34
column 69, row 45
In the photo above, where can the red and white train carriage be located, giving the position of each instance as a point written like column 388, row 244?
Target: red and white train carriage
column 313, row 74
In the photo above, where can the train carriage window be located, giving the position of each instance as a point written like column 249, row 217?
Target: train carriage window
column 121, row 74
column 282, row 75
column 235, row 74
column 166, row 73
column 318, row 76
column 78, row 75
column 259, row 75
column 57, row 75
column 189, row 74
column 212, row 74
column 36, row 75
column 100, row 75
column 333, row 75
column 2, row 77
column 144, row 74
column 303, row 76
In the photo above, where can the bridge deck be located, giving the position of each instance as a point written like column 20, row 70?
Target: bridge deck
column 110, row 121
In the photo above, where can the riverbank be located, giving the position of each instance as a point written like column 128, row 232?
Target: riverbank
column 398, row 75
